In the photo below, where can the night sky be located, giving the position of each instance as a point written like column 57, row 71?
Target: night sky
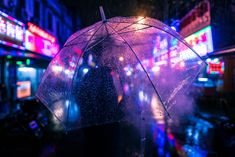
column 88, row 10
column 163, row 10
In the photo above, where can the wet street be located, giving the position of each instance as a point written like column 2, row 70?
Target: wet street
column 198, row 135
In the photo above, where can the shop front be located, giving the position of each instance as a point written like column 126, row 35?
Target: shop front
column 25, row 52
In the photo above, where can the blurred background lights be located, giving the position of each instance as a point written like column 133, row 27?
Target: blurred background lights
column 156, row 69
column 141, row 95
column 26, row 69
column 201, row 79
column 182, row 64
column 121, row 59
column 57, row 68
column 172, row 27
column 85, row 70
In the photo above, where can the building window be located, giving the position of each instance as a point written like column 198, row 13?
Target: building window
column 37, row 9
column 49, row 21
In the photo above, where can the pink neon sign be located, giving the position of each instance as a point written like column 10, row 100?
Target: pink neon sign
column 11, row 31
column 40, row 45
column 36, row 30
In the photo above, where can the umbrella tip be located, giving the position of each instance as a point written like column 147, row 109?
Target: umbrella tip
column 102, row 14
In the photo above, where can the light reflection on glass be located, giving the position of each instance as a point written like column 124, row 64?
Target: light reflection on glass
column 85, row 70
column 57, row 68
column 157, row 110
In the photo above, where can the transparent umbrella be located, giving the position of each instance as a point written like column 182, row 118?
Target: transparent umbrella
column 119, row 69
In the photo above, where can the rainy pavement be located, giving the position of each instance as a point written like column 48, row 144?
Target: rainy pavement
column 201, row 135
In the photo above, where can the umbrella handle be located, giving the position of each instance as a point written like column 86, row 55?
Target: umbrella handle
column 102, row 14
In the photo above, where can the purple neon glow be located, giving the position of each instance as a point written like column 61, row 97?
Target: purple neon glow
column 40, row 45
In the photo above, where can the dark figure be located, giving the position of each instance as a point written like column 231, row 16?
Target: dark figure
column 100, row 113
column 98, row 98
column 4, row 106
column 104, row 130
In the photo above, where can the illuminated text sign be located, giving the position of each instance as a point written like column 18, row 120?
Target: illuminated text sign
column 40, row 45
column 174, row 51
column 38, row 31
column 11, row 31
column 201, row 41
column 38, row 40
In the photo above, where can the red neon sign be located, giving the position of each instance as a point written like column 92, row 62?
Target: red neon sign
column 215, row 68
column 36, row 30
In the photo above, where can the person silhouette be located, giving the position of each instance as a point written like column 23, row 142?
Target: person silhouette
column 98, row 97
column 100, row 112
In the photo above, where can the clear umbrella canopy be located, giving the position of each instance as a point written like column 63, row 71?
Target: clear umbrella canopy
column 120, row 69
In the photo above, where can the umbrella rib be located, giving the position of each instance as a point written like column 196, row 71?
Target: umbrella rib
column 80, row 35
column 127, row 25
column 105, row 38
column 185, row 89
column 132, row 30
column 81, row 42
column 80, row 58
column 143, row 69
column 97, row 43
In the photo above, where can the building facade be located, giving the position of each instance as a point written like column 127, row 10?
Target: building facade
column 49, row 15
column 209, row 28
column 31, row 33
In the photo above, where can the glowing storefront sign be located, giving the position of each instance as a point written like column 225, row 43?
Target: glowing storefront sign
column 201, row 41
column 39, row 41
column 38, row 31
column 11, row 31
column 40, row 45
column 170, row 50
column 215, row 66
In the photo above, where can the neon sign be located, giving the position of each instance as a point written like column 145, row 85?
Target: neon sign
column 36, row 30
column 11, row 31
column 215, row 66
column 201, row 41
column 173, row 51
column 40, row 45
